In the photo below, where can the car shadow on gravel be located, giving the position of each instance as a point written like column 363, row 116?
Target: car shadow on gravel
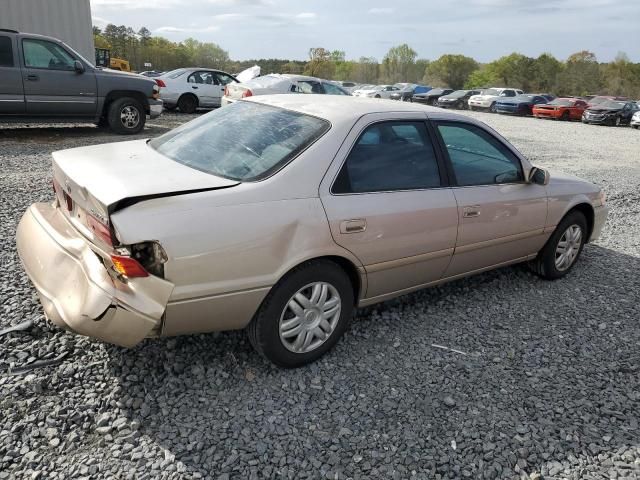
column 544, row 381
column 80, row 133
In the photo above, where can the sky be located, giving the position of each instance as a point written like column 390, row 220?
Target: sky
column 482, row 29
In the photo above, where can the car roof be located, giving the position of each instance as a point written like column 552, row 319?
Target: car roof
column 338, row 108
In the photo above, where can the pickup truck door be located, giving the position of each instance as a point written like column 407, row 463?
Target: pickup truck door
column 52, row 86
column 11, row 90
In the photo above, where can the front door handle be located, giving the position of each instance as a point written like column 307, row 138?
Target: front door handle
column 33, row 78
column 471, row 211
column 195, row 88
column 356, row 225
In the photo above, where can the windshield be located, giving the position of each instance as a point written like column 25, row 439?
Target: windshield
column 598, row 100
column 612, row 104
column 562, row 102
column 458, row 94
column 491, row 91
column 244, row 141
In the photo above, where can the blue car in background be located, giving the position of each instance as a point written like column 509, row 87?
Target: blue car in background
column 406, row 94
column 522, row 104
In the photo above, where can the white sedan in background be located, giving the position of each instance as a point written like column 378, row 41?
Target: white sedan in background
column 488, row 98
column 280, row 83
column 191, row 88
column 378, row 91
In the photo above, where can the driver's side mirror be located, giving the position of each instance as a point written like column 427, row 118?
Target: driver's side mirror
column 539, row 176
column 78, row 66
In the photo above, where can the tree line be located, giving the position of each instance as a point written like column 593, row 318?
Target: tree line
column 580, row 74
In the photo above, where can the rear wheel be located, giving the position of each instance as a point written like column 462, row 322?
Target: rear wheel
column 304, row 315
column 492, row 108
column 617, row 122
column 563, row 248
column 126, row 116
column 188, row 103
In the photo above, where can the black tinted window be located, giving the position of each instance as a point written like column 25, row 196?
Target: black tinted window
column 477, row 157
column 390, row 156
column 6, row 52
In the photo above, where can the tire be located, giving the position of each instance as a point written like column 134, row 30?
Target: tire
column 460, row 105
column 617, row 122
column 377, row 96
column 473, row 109
column 126, row 116
column 188, row 103
column 492, row 108
column 546, row 264
column 566, row 116
column 264, row 331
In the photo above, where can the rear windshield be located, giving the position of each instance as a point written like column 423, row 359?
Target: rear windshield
column 491, row 91
column 244, row 141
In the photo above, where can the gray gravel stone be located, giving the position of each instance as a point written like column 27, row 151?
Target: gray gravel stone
column 550, row 383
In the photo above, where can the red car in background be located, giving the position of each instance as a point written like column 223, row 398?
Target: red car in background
column 561, row 109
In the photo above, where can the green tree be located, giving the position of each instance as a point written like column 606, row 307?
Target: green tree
column 451, row 70
column 546, row 69
column 320, row 63
column 483, row 77
column 398, row 63
column 366, row 70
column 515, row 70
column 581, row 75
column 621, row 77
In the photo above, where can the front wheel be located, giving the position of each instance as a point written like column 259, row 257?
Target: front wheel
column 126, row 116
column 377, row 96
column 304, row 315
column 563, row 248
column 492, row 108
column 617, row 122
column 566, row 116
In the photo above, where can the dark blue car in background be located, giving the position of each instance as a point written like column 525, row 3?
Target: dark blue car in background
column 522, row 104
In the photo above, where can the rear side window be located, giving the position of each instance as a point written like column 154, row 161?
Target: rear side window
column 309, row 87
column 330, row 89
column 6, row 52
column 390, row 156
column 223, row 78
column 477, row 157
column 45, row 54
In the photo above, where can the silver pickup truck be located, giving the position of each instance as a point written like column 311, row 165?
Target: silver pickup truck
column 44, row 80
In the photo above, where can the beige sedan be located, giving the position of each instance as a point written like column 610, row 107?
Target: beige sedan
column 281, row 214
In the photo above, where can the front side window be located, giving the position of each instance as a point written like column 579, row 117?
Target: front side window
column 477, row 157
column 6, row 52
column 45, row 54
column 243, row 141
column 390, row 156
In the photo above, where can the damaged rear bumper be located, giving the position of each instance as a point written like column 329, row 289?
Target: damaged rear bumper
column 77, row 291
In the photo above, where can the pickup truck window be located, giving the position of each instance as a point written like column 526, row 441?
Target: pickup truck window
column 44, row 54
column 6, row 52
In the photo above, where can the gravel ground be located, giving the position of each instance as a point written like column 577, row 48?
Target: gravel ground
column 547, row 386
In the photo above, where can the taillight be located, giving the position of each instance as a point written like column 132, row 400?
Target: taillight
column 128, row 267
column 247, row 93
column 99, row 229
column 160, row 83
column 226, row 91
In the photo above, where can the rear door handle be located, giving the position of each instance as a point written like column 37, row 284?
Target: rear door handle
column 33, row 78
column 356, row 225
column 195, row 88
column 471, row 211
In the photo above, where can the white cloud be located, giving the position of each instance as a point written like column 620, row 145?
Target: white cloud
column 169, row 29
column 306, row 15
column 381, row 10
column 99, row 21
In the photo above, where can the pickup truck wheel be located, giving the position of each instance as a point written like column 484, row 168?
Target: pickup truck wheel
column 304, row 315
column 126, row 116
column 563, row 248
column 188, row 104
